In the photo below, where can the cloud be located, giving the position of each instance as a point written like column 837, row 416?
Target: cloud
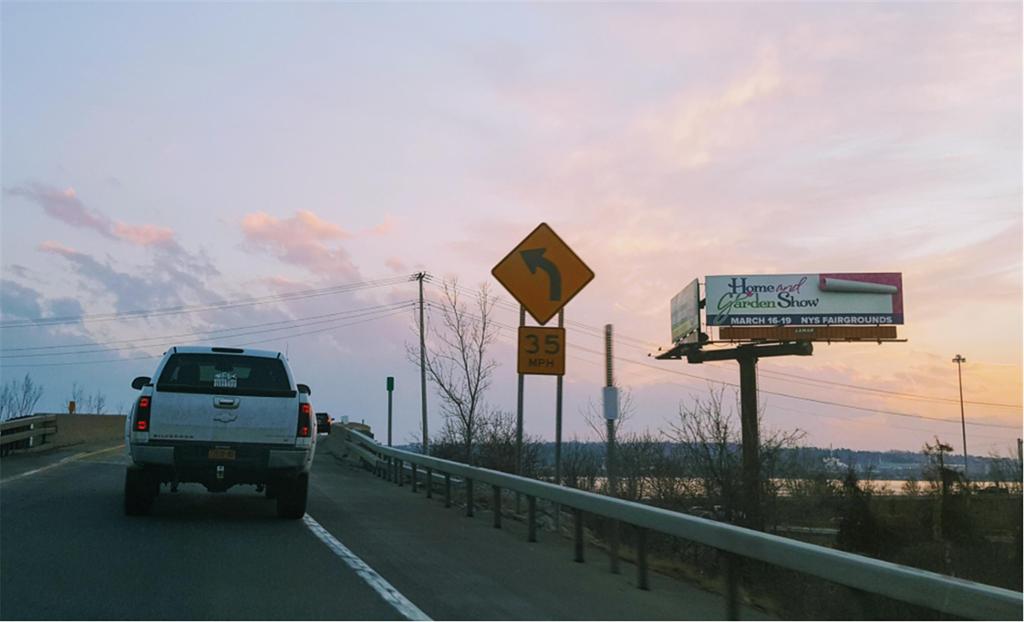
column 396, row 264
column 131, row 291
column 300, row 240
column 67, row 207
column 385, row 227
column 304, row 224
column 145, row 235
column 17, row 301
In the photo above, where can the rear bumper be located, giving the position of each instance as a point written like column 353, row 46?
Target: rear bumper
column 191, row 460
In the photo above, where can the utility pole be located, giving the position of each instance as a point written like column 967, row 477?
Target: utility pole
column 423, row 369
column 611, row 409
column 611, row 414
column 963, row 423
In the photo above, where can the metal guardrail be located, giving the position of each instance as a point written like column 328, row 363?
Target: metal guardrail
column 27, row 428
column 927, row 589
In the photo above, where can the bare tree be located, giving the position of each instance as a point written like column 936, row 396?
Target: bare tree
column 19, row 399
column 98, row 402
column 593, row 415
column 7, row 401
column 710, row 443
column 457, row 362
column 1005, row 472
column 496, row 444
column 77, row 396
column 580, row 465
column 641, row 461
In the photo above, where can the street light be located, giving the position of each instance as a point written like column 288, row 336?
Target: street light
column 963, row 424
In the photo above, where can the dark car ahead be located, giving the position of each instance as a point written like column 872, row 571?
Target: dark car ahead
column 323, row 423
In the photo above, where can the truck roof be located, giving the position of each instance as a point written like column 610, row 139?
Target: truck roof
column 270, row 354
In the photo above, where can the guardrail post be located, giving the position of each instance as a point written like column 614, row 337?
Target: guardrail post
column 613, row 547
column 414, row 474
column 447, row 490
column 531, row 519
column 469, row 497
column 577, row 516
column 401, row 472
column 641, row 558
column 430, row 483
column 497, row 506
column 732, row 580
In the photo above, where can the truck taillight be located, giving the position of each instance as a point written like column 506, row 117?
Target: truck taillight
column 142, row 414
column 305, row 426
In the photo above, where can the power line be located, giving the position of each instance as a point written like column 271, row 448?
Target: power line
column 911, row 396
column 135, row 343
column 276, row 338
column 779, row 394
column 819, row 401
column 598, row 332
column 145, row 313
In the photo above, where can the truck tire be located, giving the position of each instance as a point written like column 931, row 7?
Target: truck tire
column 140, row 489
column 291, row 497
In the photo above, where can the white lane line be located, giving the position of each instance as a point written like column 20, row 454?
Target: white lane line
column 387, row 591
column 78, row 456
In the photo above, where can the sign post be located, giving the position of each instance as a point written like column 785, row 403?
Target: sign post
column 519, row 411
column 391, row 388
column 543, row 274
column 558, row 425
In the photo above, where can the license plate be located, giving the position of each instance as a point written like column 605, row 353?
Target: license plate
column 221, row 453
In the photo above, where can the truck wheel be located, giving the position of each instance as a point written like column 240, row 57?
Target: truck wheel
column 291, row 497
column 140, row 489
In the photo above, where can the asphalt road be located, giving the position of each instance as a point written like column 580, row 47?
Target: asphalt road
column 67, row 551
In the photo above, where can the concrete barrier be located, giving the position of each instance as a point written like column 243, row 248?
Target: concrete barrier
column 75, row 429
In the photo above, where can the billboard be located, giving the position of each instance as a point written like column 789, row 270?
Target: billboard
column 685, row 309
column 848, row 298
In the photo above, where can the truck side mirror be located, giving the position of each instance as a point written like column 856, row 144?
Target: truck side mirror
column 140, row 382
column 304, row 388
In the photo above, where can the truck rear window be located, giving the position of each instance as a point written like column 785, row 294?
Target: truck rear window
column 225, row 374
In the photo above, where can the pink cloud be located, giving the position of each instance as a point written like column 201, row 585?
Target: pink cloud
column 65, row 206
column 299, row 240
column 396, row 264
column 144, row 235
column 304, row 224
column 49, row 246
column 385, row 227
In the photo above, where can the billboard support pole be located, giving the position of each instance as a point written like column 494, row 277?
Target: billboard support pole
column 747, row 356
column 751, row 442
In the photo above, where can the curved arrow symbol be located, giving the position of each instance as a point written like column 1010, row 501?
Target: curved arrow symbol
column 534, row 259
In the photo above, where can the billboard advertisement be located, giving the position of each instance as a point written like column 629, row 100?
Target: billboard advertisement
column 685, row 309
column 834, row 299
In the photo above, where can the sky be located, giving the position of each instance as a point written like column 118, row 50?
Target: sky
column 282, row 170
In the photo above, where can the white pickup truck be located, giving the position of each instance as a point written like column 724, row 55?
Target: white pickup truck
column 220, row 417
